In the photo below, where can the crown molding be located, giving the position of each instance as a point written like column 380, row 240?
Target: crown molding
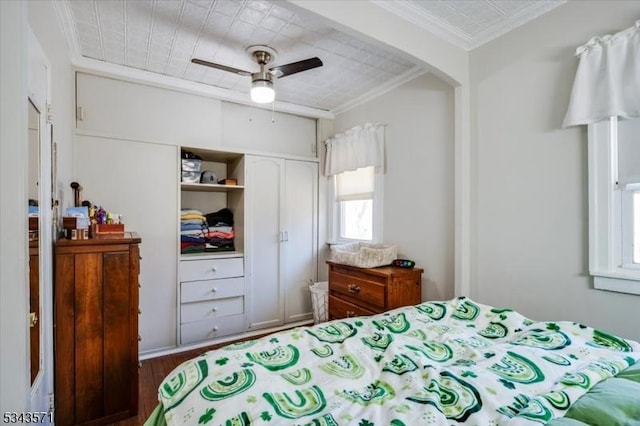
column 411, row 12
column 63, row 11
column 381, row 89
column 421, row 18
column 514, row 21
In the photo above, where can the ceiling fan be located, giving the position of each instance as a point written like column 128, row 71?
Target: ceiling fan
column 262, row 81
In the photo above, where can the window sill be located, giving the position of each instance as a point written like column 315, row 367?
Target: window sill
column 621, row 282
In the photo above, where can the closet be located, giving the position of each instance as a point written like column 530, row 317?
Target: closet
column 133, row 167
column 281, row 219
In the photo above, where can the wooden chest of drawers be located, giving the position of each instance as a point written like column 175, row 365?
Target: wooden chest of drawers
column 367, row 291
column 96, row 329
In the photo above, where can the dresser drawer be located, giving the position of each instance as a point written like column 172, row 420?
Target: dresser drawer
column 211, row 309
column 210, row 329
column 339, row 308
column 207, row 269
column 357, row 289
column 194, row 291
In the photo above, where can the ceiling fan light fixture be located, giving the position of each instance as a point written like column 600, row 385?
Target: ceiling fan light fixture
column 262, row 91
column 262, row 81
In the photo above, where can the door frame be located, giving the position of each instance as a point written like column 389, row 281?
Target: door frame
column 39, row 93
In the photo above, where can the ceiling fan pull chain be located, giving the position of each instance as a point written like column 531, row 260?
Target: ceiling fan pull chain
column 273, row 112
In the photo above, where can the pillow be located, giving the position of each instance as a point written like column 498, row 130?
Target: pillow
column 614, row 402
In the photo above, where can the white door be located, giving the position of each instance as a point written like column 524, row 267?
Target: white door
column 264, row 188
column 40, row 131
column 301, row 211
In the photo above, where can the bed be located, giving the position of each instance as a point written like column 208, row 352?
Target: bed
column 447, row 362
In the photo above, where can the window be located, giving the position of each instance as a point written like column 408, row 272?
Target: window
column 356, row 206
column 614, row 204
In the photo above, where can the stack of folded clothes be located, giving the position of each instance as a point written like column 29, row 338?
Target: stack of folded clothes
column 193, row 227
column 219, row 236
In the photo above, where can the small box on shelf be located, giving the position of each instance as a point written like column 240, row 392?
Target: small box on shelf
column 72, row 222
column 76, row 234
column 228, row 181
column 109, row 228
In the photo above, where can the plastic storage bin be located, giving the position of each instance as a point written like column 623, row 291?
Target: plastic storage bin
column 320, row 301
column 190, row 177
column 191, row 165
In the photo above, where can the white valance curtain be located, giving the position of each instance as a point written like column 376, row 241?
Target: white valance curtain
column 607, row 81
column 361, row 146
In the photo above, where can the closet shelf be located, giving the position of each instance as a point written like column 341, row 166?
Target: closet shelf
column 209, row 187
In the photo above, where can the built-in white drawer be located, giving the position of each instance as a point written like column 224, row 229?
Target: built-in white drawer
column 208, row 269
column 210, row 329
column 195, row 291
column 210, row 309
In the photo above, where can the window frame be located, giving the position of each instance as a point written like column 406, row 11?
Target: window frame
column 608, row 244
column 335, row 212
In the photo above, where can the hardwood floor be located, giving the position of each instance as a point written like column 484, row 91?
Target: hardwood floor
column 152, row 372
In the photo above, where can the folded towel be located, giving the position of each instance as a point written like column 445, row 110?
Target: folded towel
column 199, row 222
column 192, row 226
column 226, row 229
column 192, row 232
column 224, row 235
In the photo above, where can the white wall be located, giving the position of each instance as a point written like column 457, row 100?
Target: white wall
column 14, row 386
column 418, row 183
column 530, row 193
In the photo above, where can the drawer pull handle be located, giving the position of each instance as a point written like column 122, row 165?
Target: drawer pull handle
column 214, row 289
column 139, row 338
column 215, row 328
column 353, row 288
column 213, row 269
column 214, row 310
column 351, row 314
column 139, row 311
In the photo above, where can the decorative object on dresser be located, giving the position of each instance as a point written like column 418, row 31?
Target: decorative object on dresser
column 96, row 329
column 366, row 291
column 364, row 255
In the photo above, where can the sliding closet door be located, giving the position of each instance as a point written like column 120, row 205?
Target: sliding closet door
column 139, row 180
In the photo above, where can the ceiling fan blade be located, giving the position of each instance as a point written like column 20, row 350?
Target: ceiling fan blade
column 294, row 67
column 220, row 67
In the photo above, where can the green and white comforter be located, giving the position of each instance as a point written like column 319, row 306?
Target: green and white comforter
column 436, row 363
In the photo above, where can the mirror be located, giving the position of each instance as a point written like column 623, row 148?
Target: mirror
column 33, row 221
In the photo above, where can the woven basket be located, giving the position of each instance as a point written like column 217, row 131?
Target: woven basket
column 364, row 255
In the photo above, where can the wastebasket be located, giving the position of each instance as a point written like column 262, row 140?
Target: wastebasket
column 320, row 301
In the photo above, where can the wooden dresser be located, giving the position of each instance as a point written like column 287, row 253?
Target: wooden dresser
column 96, row 329
column 367, row 291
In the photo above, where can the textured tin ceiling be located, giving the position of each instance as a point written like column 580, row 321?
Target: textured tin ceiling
column 162, row 36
